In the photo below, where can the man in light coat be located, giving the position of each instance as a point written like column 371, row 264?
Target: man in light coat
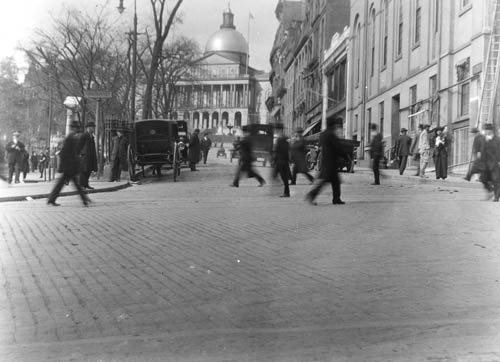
column 424, row 148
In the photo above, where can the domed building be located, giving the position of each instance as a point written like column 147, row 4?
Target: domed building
column 224, row 92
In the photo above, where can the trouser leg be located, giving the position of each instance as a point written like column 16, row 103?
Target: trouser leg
column 336, row 190
column 294, row 174
column 402, row 164
column 236, row 180
column 284, row 178
column 11, row 171
column 376, row 170
column 316, row 190
column 79, row 188
column 253, row 173
column 58, row 187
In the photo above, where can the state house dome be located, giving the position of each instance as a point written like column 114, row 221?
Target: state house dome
column 227, row 41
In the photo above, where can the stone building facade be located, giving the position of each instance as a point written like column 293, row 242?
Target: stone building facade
column 417, row 62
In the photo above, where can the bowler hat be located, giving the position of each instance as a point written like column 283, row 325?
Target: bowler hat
column 474, row 130
column 15, row 133
column 404, row 130
column 91, row 124
column 488, row 127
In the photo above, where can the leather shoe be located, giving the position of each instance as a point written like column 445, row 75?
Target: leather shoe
column 310, row 200
column 233, row 185
column 53, row 203
column 285, row 195
column 338, row 202
column 375, row 183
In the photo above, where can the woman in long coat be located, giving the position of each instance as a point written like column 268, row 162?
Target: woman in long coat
column 441, row 155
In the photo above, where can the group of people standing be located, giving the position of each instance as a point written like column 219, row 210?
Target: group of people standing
column 421, row 148
column 20, row 162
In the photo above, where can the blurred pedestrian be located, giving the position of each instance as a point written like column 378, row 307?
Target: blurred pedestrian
column 414, row 152
column 34, row 161
column 69, row 166
column 282, row 161
column 402, row 147
column 88, row 155
column 491, row 156
column 14, row 151
column 206, row 143
column 376, row 152
column 25, row 163
column 194, row 150
column 299, row 152
column 246, row 158
column 441, row 154
column 424, row 148
column 118, row 157
column 331, row 151
column 44, row 161
column 476, row 165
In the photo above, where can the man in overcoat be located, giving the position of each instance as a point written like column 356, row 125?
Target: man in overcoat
column 244, row 147
column 298, row 153
column 14, row 150
column 69, row 165
column 331, row 151
column 282, row 161
column 88, row 155
column 402, row 148
column 206, row 144
column 194, row 150
column 414, row 152
column 376, row 152
column 118, row 157
column 491, row 158
column 476, row 164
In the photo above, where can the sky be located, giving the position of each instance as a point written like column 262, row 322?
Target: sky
column 201, row 18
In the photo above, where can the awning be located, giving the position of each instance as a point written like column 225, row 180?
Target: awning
column 309, row 129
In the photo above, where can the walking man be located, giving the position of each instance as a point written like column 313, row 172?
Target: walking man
column 69, row 166
column 376, row 152
column 476, row 165
column 118, row 155
column 331, row 150
column 299, row 152
column 424, row 148
column 194, row 150
column 414, row 148
column 206, row 143
column 244, row 147
column 14, row 150
column 491, row 155
column 403, row 149
column 88, row 155
column 282, row 161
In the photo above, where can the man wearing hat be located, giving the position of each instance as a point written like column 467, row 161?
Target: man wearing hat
column 244, row 147
column 194, row 150
column 402, row 149
column 298, row 153
column 476, row 164
column 88, row 155
column 14, row 150
column 331, row 151
column 491, row 158
column 424, row 148
column 118, row 157
column 68, row 166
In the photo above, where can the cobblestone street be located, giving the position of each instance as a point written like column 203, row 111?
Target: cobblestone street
column 199, row 271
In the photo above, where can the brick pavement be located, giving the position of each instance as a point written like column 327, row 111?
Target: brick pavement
column 198, row 271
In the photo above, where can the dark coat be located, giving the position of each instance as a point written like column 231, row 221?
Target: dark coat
column 331, row 151
column 377, row 146
column 403, row 144
column 281, row 155
column 299, row 152
column 119, row 150
column 69, row 161
column 14, row 154
column 88, row 154
column 206, row 144
column 194, row 149
column 491, row 157
column 25, row 162
column 244, row 147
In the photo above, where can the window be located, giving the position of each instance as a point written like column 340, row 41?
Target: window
column 418, row 19
column 372, row 41
column 355, row 125
column 385, row 32
column 399, row 45
column 432, row 86
column 357, row 49
column 464, row 99
column 461, row 145
column 381, row 117
column 436, row 16
column 413, row 107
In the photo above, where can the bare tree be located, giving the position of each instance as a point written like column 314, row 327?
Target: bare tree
column 161, row 33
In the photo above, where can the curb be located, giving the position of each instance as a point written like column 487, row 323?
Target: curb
column 67, row 193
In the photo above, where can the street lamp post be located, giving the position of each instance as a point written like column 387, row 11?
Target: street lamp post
column 121, row 8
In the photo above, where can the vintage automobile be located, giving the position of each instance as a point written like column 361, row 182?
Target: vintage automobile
column 154, row 142
column 261, row 137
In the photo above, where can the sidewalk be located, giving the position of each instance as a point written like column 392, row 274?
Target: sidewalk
column 36, row 188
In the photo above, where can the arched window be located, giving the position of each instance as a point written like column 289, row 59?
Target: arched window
column 357, row 49
column 237, row 119
column 196, row 120
column 371, row 42
column 225, row 119
column 215, row 119
column 385, row 33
